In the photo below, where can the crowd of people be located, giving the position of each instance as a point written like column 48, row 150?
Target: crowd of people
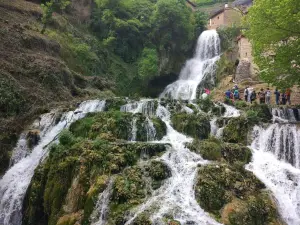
column 264, row 96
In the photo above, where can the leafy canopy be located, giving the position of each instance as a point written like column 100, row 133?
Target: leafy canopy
column 274, row 29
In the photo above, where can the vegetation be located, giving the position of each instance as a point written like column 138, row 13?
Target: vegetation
column 196, row 126
column 273, row 28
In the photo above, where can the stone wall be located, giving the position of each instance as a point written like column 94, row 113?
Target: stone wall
column 245, row 49
column 243, row 70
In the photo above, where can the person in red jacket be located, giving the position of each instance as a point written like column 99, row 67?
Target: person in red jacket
column 288, row 95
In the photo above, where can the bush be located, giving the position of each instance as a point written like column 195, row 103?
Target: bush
column 66, row 138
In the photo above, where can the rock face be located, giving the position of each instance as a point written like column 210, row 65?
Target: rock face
column 243, row 70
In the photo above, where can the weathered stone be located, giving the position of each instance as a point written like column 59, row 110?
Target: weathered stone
column 243, row 70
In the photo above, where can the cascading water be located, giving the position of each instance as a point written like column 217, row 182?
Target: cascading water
column 176, row 197
column 16, row 180
column 146, row 107
column 276, row 162
column 195, row 70
column 99, row 215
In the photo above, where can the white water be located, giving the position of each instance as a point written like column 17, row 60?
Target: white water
column 99, row 214
column 176, row 196
column 197, row 68
column 43, row 124
column 279, row 176
column 146, row 107
column 16, row 180
column 231, row 111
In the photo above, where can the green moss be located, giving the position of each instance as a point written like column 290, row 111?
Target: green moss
column 218, row 184
column 235, row 152
column 263, row 112
column 254, row 210
column 158, row 172
column 236, row 130
column 114, row 104
column 91, row 162
column 196, row 126
column 208, row 149
column 160, row 127
column 205, row 104
column 33, row 209
column 142, row 219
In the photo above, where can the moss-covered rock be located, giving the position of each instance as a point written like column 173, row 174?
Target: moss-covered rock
column 236, row 131
column 53, row 193
column 263, row 110
column 253, row 210
column 218, row 184
column 208, row 149
column 114, row 104
column 236, row 153
column 158, row 172
column 160, row 127
column 194, row 125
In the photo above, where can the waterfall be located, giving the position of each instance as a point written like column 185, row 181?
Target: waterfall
column 146, row 107
column 231, row 111
column 43, row 124
column 16, row 180
column 99, row 214
column 276, row 161
column 176, row 197
column 201, row 67
column 133, row 129
column 150, row 129
column 291, row 115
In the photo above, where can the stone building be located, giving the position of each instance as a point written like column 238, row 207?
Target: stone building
column 226, row 16
column 231, row 15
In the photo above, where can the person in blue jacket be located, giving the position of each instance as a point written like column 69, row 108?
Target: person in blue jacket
column 277, row 96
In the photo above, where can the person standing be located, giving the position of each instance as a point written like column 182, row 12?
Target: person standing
column 277, row 96
column 283, row 98
column 261, row 95
column 246, row 93
column 236, row 94
column 253, row 96
column 288, row 95
column 268, row 96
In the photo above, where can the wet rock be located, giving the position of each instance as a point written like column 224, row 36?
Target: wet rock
column 33, row 138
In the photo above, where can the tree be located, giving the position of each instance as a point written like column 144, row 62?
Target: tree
column 274, row 30
column 50, row 7
column 172, row 25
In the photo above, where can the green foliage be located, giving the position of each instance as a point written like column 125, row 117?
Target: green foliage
column 201, row 19
column 218, row 184
column 66, row 138
column 252, row 116
column 52, row 6
column 148, row 64
column 236, row 153
column 240, row 104
column 256, row 210
column 11, row 99
column 175, row 34
column 228, row 37
column 273, row 28
column 196, row 126
column 158, row 172
column 236, row 130
column 208, row 149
